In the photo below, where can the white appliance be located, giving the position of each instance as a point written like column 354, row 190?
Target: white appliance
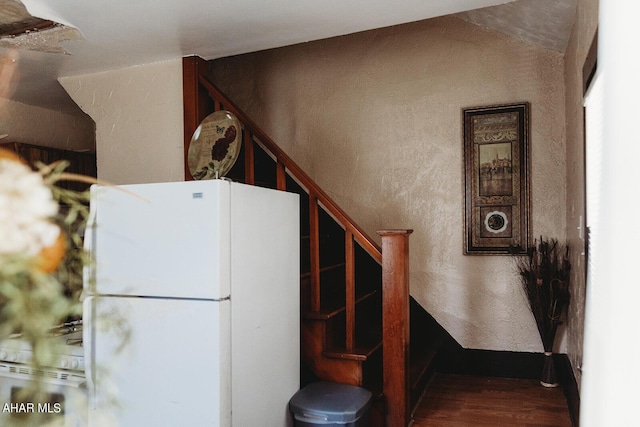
column 192, row 310
column 63, row 381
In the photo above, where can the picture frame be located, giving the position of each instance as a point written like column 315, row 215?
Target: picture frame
column 496, row 179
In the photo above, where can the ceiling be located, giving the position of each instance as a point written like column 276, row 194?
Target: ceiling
column 87, row 36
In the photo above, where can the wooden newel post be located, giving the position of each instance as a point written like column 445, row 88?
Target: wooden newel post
column 395, row 326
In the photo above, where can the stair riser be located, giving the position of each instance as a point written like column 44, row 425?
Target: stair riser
column 312, row 333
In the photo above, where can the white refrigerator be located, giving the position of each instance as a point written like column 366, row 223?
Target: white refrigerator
column 191, row 307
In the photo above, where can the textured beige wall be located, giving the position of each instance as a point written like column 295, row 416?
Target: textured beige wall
column 585, row 26
column 139, row 124
column 375, row 119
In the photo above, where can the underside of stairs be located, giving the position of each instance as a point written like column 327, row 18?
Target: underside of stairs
column 354, row 299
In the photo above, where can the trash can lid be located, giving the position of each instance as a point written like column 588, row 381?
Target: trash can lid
column 330, row 401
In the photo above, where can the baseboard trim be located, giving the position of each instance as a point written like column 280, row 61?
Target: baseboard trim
column 508, row 364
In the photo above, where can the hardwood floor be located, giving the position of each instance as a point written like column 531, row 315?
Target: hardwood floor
column 460, row 400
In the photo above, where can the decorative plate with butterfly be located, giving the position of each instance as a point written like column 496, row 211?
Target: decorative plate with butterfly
column 215, row 146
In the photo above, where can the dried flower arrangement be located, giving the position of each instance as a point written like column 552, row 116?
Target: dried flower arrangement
column 544, row 274
column 41, row 256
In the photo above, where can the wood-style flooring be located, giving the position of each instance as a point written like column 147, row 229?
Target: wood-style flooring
column 460, row 400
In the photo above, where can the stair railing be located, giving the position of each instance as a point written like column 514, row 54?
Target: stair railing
column 201, row 97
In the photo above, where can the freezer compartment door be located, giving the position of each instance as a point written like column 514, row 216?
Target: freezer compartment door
column 167, row 239
column 157, row 362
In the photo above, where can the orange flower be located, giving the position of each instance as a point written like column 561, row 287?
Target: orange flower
column 49, row 258
column 10, row 155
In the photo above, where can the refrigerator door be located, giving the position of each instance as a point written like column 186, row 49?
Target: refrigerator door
column 166, row 240
column 157, row 362
column 265, row 304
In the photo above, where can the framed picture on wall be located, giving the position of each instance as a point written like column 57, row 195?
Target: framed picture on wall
column 496, row 179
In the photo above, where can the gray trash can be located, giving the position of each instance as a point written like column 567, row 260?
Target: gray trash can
column 331, row 404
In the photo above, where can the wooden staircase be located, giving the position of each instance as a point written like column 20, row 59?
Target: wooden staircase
column 354, row 294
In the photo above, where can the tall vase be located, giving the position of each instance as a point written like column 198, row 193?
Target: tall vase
column 548, row 378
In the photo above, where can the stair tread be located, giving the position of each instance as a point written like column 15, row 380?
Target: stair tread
column 360, row 353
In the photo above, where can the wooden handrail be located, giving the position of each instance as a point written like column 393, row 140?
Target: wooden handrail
column 360, row 236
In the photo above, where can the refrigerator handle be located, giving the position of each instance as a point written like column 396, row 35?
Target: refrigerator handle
column 88, row 319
